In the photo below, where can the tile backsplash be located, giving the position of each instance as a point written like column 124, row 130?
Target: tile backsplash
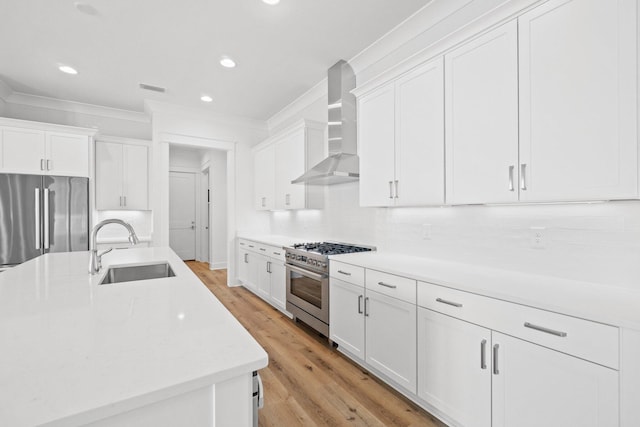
column 593, row 242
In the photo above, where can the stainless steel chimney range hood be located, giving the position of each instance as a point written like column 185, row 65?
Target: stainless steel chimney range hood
column 343, row 164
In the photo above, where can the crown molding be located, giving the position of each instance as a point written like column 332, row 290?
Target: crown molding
column 300, row 103
column 157, row 107
column 74, row 107
column 5, row 91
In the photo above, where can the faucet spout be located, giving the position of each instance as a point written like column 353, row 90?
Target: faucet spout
column 95, row 259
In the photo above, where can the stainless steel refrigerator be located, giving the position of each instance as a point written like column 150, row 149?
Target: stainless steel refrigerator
column 41, row 214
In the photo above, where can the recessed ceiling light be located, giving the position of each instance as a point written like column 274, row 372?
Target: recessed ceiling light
column 271, row 2
column 67, row 69
column 85, row 8
column 227, row 62
column 206, row 98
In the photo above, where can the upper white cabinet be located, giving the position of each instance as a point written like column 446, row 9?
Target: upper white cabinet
column 264, row 168
column 283, row 158
column 42, row 149
column 481, row 86
column 578, row 101
column 122, row 176
column 401, row 140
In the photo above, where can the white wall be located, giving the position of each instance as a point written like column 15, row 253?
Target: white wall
column 185, row 157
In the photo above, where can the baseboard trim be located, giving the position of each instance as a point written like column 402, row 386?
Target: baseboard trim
column 217, row 265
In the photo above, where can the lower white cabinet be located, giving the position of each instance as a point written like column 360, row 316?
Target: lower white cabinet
column 454, row 367
column 376, row 329
column 261, row 270
column 534, row 386
column 346, row 312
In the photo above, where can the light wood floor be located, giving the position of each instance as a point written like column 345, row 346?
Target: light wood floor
column 308, row 383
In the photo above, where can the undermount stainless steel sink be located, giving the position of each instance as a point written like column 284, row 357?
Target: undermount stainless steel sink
column 130, row 273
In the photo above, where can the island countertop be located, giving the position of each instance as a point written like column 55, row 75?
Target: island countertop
column 74, row 351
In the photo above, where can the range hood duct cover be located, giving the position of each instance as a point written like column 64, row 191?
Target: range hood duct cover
column 343, row 164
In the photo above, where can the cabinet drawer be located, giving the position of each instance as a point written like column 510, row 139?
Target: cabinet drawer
column 270, row 251
column 391, row 285
column 588, row 340
column 347, row 272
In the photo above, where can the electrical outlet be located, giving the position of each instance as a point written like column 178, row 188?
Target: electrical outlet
column 538, row 237
column 426, row 231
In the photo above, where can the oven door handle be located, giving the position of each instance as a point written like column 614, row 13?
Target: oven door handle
column 307, row 273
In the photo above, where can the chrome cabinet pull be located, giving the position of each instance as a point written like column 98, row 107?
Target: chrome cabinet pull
column 48, row 165
column 386, row 285
column 46, row 218
column 287, row 199
column 545, row 330
column 511, row 168
column 359, row 304
column 496, row 371
column 346, row 273
column 37, row 215
column 125, row 201
column 250, row 246
column 444, row 301
column 262, row 249
column 366, row 307
column 120, row 201
column 41, row 164
column 391, row 189
column 396, row 188
column 245, row 258
column 269, row 267
column 276, row 253
column 483, row 354
column 523, row 176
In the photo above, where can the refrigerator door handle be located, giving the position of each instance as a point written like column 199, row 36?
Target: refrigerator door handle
column 46, row 218
column 37, row 216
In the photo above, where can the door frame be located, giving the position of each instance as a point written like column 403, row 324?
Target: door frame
column 196, row 173
column 161, row 205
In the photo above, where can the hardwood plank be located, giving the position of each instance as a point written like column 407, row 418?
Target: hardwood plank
column 307, row 382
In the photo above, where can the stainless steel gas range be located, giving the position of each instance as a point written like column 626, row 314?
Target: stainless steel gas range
column 307, row 271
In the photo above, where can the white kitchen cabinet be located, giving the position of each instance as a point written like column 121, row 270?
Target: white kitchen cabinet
column 264, row 169
column 122, row 176
column 534, row 386
column 390, row 333
column 283, row 158
column 481, row 87
column 578, row 101
column 261, row 269
column 375, row 328
column 401, row 143
column 454, row 368
column 40, row 152
column 346, row 311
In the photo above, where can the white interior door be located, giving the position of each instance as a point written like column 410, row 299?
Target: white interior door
column 182, row 214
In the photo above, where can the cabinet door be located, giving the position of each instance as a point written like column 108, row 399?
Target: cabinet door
column 419, row 142
column 67, row 155
column 376, row 133
column 454, row 367
column 264, row 167
column 346, row 311
column 534, row 386
column 578, row 136
column 243, row 266
column 278, row 284
column 23, row 151
column 108, row 176
column 481, row 90
column 135, row 177
column 390, row 332
column 252, row 271
column 264, row 277
column 290, row 164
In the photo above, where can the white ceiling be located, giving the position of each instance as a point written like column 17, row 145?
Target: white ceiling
column 282, row 51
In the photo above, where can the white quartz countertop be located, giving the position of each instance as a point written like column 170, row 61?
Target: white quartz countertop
column 598, row 302
column 73, row 351
column 271, row 239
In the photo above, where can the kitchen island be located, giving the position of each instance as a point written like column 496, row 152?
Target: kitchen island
column 159, row 352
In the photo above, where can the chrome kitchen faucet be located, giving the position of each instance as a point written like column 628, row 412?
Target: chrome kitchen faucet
column 95, row 259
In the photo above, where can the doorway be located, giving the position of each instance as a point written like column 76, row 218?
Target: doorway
column 182, row 214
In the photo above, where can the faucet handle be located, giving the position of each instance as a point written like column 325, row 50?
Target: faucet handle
column 105, row 252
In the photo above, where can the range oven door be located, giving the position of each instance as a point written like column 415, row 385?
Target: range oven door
column 308, row 291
